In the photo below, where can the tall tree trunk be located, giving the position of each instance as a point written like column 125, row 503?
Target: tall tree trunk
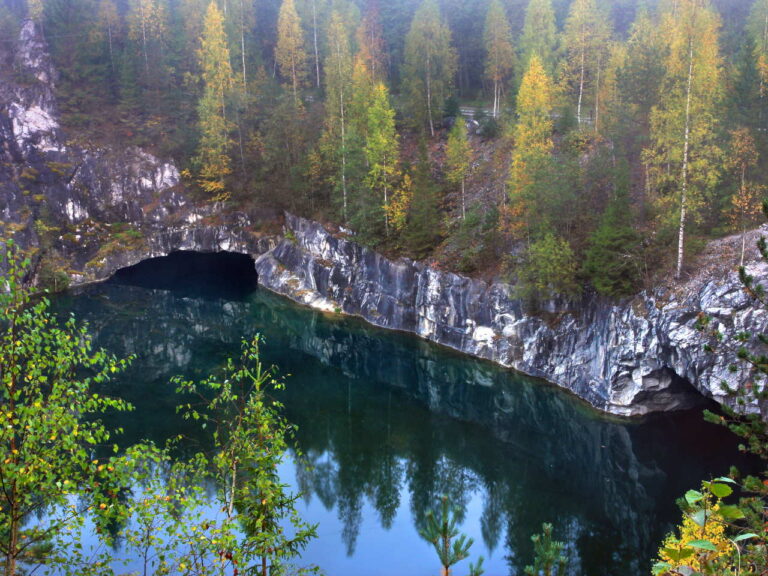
column 581, row 87
column 597, row 94
column 463, row 202
column 111, row 51
column 429, row 97
column 684, row 175
column 314, row 32
column 343, row 137
column 144, row 39
column 242, row 54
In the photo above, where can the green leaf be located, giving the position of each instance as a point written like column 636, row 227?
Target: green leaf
column 720, row 490
column 699, row 517
column 703, row 544
column 693, row 496
column 725, row 479
column 730, row 512
column 747, row 536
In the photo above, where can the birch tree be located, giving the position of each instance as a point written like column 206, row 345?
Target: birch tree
column 289, row 52
column 500, row 54
column 585, row 40
column 147, row 26
column 458, row 158
column 338, row 90
column 430, row 65
column 684, row 148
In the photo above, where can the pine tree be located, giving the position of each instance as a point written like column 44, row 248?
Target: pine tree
column 215, row 141
column 500, row 54
column 539, row 36
column 289, row 52
column 683, row 127
column 458, row 158
column 430, row 64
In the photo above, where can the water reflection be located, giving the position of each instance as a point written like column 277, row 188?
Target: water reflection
column 389, row 423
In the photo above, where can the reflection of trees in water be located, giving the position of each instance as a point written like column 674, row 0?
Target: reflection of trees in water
column 360, row 398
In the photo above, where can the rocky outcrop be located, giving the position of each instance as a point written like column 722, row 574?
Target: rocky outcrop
column 88, row 211
column 641, row 356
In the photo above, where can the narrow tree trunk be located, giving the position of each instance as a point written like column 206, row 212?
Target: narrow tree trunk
column 597, row 94
column 242, row 54
column 684, row 175
column 343, row 137
column 144, row 40
column 429, row 98
column 111, row 51
column 581, row 88
column 743, row 215
column 314, row 32
column 463, row 203
column 386, row 212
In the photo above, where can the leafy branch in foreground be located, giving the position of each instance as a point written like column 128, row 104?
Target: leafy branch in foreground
column 728, row 539
column 250, row 439
column 50, row 430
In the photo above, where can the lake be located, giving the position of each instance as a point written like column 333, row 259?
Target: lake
column 390, row 422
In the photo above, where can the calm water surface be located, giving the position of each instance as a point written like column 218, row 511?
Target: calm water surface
column 390, row 422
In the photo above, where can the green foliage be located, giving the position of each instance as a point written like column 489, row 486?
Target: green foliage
column 49, row 428
column 213, row 159
column 549, row 269
column 250, row 440
column 549, row 559
column 430, row 64
column 730, row 539
column 423, row 229
column 451, row 546
column 611, row 260
column 710, row 541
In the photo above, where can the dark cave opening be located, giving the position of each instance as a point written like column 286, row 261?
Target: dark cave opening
column 228, row 275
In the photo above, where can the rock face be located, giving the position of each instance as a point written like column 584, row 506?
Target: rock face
column 90, row 211
column 641, row 356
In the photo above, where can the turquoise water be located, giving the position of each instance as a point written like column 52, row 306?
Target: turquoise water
column 389, row 422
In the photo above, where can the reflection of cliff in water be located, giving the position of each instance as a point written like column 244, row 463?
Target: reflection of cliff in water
column 533, row 453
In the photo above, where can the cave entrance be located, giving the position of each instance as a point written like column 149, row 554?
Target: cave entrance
column 205, row 274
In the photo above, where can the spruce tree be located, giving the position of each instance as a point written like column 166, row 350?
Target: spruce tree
column 611, row 260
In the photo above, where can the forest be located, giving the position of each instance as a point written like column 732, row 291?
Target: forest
column 590, row 144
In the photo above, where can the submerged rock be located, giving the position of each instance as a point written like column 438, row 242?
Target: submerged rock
column 641, row 356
